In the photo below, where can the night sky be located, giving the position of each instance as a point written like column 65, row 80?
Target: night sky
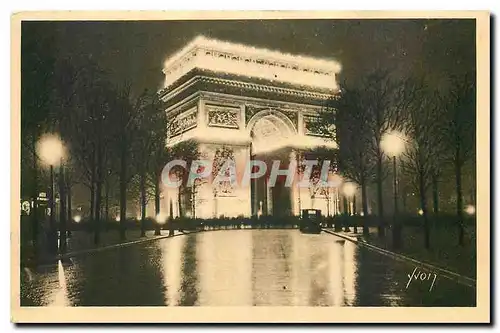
column 134, row 51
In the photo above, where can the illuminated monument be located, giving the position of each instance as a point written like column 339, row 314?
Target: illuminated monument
column 245, row 102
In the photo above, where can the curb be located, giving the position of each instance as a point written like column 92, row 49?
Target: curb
column 461, row 279
column 115, row 246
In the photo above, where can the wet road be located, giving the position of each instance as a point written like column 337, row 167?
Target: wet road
column 238, row 267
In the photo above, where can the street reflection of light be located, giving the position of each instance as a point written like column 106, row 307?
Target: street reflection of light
column 319, row 270
column 420, row 212
column 60, row 297
column 301, row 279
column 224, row 262
column 171, row 252
column 470, row 210
column 350, row 273
column 271, row 267
column 77, row 218
column 336, row 272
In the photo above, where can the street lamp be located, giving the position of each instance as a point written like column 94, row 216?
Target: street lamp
column 393, row 144
column 349, row 190
column 51, row 151
column 470, row 209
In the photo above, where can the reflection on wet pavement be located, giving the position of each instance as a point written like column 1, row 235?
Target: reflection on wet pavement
column 237, row 268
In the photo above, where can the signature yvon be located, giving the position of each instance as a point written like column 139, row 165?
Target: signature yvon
column 421, row 276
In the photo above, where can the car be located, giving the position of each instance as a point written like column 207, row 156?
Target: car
column 310, row 222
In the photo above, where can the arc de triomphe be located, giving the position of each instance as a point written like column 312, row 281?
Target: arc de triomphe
column 246, row 102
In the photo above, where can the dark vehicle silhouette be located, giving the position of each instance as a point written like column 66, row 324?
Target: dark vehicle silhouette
column 310, row 223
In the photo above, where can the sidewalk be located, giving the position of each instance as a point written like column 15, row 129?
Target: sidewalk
column 456, row 262
column 82, row 242
column 444, row 249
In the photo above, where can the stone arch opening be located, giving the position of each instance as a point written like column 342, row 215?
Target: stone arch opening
column 271, row 135
column 270, row 131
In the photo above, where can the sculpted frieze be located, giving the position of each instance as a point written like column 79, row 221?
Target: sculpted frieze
column 184, row 122
column 221, row 116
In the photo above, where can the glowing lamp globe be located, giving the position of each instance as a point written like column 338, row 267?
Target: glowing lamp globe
column 392, row 143
column 117, row 219
column 77, row 218
column 470, row 210
column 50, row 149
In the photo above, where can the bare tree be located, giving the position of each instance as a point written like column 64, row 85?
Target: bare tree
column 125, row 127
column 420, row 126
column 159, row 153
column 460, row 107
column 379, row 98
column 80, row 100
column 187, row 151
column 346, row 120
column 145, row 132
column 152, row 153
column 37, row 75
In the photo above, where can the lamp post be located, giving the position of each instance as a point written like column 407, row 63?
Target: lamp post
column 393, row 144
column 62, row 212
column 349, row 190
column 50, row 150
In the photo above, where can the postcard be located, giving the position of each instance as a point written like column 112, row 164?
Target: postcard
column 250, row 167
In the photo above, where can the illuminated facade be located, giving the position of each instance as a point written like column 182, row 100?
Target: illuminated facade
column 245, row 103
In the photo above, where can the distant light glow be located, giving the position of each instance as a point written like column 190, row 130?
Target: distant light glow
column 420, row 212
column 392, row 143
column 117, row 218
column 470, row 209
column 161, row 218
column 77, row 218
column 361, row 214
column 349, row 189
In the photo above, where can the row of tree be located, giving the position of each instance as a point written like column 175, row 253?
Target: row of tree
column 438, row 128
column 113, row 138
